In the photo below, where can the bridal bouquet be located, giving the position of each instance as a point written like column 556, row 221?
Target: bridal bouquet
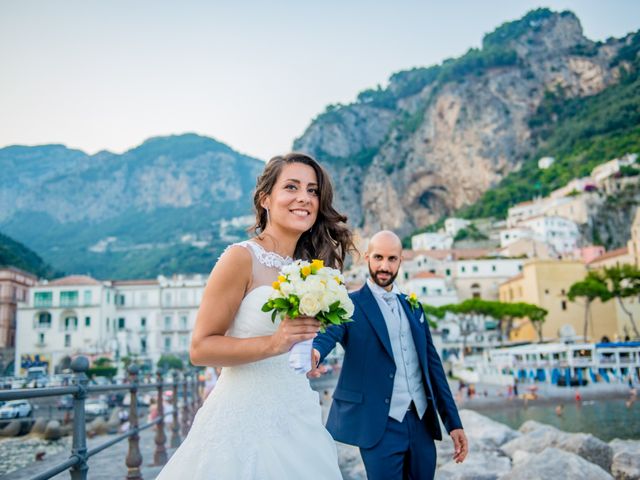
column 313, row 290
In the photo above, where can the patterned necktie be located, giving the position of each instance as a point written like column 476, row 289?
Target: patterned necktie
column 391, row 300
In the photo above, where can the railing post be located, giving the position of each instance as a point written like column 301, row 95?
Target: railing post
column 160, row 455
column 79, row 365
column 186, row 423
column 134, row 458
column 175, row 425
column 194, row 396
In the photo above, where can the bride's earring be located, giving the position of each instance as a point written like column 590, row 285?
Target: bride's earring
column 267, row 210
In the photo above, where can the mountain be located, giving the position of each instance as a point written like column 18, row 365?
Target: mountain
column 15, row 254
column 168, row 205
column 437, row 138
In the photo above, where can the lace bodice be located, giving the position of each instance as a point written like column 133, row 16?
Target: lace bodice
column 265, row 264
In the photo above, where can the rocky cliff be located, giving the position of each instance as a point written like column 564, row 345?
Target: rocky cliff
column 436, row 138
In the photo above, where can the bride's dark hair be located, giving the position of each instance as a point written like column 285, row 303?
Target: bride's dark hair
column 329, row 239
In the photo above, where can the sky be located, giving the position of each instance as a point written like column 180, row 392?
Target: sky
column 95, row 75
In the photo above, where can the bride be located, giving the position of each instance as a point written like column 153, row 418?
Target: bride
column 263, row 421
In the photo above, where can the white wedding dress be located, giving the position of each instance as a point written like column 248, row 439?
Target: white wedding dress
column 262, row 420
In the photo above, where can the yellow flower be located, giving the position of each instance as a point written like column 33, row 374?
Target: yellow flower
column 317, row 264
column 338, row 281
column 276, row 285
column 413, row 296
column 282, row 278
column 305, row 271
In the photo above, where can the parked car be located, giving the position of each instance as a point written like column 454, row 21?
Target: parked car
column 65, row 402
column 16, row 409
column 96, row 408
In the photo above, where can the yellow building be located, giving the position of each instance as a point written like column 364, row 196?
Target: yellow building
column 545, row 283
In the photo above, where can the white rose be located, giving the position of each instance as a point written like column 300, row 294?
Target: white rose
column 286, row 288
column 309, row 305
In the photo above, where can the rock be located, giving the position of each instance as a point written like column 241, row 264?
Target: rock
column 98, row 426
column 588, row 447
column 534, row 442
column 481, row 465
column 539, row 436
column 52, row 430
column 39, row 426
column 520, row 456
column 11, row 429
column 553, row 463
column 531, row 425
column 626, row 459
column 481, row 429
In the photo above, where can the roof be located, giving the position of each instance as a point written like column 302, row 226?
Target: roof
column 611, row 254
column 150, row 281
column 75, row 280
column 426, row 275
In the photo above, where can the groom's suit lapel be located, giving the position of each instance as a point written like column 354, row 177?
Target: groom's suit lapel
column 374, row 315
column 417, row 330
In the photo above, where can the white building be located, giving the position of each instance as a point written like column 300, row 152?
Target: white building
column 606, row 170
column 545, row 162
column 453, row 225
column 64, row 317
column 511, row 235
column 559, row 233
column 431, row 289
column 80, row 315
column 525, row 210
column 481, row 278
column 431, row 241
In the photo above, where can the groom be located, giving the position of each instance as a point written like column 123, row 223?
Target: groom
column 392, row 381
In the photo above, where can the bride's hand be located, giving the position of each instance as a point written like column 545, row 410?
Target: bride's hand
column 293, row 331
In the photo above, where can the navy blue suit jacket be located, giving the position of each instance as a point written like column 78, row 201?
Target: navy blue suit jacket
column 362, row 397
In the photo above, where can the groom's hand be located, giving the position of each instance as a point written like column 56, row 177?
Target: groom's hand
column 316, row 369
column 460, row 445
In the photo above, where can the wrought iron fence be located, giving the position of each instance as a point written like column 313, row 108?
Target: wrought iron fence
column 192, row 390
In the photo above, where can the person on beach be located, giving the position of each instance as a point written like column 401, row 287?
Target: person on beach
column 392, row 385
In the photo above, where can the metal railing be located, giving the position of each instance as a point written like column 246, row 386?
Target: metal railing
column 77, row 465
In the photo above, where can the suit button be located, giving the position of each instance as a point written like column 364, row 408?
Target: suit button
column 386, row 400
column 391, row 375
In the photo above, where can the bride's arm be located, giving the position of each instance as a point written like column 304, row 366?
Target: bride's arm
column 220, row 302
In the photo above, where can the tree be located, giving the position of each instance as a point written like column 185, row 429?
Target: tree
column 623, row 282
column 593, row 287
column 537, row 315
column 167, row 362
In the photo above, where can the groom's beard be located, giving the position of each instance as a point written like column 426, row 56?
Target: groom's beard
column 380, row 282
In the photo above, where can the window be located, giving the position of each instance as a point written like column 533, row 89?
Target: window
column 424, row 290
column 43, row 299
column 463, row 269
column 493, row 268
column 564, row 304
column 118, row 299
column 448, row 272
column 87, row 321
column 144, row 298
column 108, row 324
column 143, row 322
column 183, row 298
column 143, row 346
column 184, row 342
column 44, row 320
column 67, row 340
column 108, row 297
column 121, row 324
column 546, row 291
column 167, row 344
column 519, row 268
column 406, row 275
column 183, row 322
column 69, row 298
column 87, row 297
column 167, row 298
column 562, row 292
column 70, row 323
column 475, row 269
column 41, row 338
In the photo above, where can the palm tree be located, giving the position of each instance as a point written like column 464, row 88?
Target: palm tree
column 624, row 282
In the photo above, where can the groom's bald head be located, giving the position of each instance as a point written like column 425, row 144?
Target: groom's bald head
column 384, row 255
